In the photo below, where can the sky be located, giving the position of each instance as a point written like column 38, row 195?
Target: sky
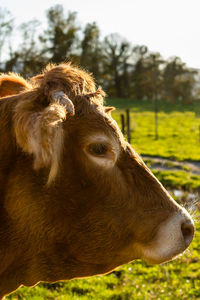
column 171, row 27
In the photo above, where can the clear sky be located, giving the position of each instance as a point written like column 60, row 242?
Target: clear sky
column 171, row 27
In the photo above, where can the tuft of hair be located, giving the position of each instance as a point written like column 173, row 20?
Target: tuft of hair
column 68, row 78
column 40, row 133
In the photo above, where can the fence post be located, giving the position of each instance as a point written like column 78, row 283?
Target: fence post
column 122, row 123
column 128, row 125
column 156, row 116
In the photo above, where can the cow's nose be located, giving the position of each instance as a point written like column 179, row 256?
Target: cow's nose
column 187, row 228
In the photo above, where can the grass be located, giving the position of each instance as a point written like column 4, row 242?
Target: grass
column 178, row 179
column 179, row 136
column 179, row 131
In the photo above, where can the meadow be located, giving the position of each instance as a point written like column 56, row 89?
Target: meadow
column 178, row 127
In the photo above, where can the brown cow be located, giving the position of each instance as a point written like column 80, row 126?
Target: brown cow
column 76, row 199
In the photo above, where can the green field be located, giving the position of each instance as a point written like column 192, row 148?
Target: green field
column 180, row 279
column 178, row 128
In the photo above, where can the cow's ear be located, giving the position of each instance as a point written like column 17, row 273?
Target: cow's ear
column 109, row 109
column 12, row 84
column 40, row 132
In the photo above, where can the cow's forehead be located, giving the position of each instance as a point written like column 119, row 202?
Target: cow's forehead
column 92, row 120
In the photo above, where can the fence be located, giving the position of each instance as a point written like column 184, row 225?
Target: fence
column 125, row 125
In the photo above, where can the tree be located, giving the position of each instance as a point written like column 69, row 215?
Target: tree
column 60, row 40
column 138, row 72
column 27, row 59
column 178, row 81
column 146, row 74
column 153, row 76
column 6, row 27
column 155, row 81
column 117, row 52
column 91, row 55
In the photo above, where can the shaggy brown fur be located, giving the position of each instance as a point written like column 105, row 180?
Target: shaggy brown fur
column 63, row 215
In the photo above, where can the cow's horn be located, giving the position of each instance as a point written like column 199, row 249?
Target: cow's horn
column 61, row 98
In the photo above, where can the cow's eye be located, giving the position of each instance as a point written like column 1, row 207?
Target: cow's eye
column 98, row 149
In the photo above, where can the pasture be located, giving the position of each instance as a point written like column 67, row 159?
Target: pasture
column 178, row 139
column 178, row 128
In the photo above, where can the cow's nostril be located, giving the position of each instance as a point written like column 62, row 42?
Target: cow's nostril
column 187, row 229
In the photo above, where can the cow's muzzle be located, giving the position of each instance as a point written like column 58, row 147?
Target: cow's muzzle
column 172, row 238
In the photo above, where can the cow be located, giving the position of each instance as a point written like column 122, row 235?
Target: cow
column 76, row 199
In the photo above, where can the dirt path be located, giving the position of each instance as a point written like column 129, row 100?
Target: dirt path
column 160, row 164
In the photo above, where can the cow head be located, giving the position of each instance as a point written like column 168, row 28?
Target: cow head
column 78, row 200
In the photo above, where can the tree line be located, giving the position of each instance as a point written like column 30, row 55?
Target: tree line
column 122, row 69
